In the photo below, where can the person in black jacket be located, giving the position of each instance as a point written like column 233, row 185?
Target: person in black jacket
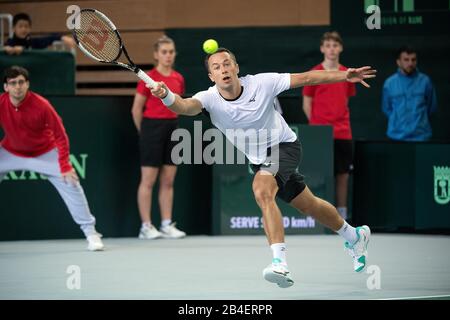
column 22, row 40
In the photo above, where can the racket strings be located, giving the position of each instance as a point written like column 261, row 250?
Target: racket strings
column 98, row 37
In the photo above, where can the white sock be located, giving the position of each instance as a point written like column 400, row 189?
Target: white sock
column 146, row 225
column 348, row 233
column 166, row 223
column 279, row 251
column 343, row 212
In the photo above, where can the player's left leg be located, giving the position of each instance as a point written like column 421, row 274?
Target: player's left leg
column 317, row 208
column 357, row 239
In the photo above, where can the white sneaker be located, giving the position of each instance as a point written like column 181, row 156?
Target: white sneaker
column 94, row 242
column 278, row 273
column 171, row 232
column 358, row 251
column 149, row 233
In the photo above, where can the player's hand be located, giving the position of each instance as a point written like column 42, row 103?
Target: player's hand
column 359, row 74
column 159, row 90
column 70, row 177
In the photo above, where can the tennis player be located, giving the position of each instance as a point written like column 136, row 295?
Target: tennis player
column 246, row 103
column 35, row 140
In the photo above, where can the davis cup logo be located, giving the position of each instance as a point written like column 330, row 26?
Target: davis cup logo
column 442, row 184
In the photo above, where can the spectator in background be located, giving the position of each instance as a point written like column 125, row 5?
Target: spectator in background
column 408, row 100
column 36, row 140
column 155, row 124
column 327, row 104
column 22, row 40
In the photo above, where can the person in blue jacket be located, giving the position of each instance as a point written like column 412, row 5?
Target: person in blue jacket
column 408, row 100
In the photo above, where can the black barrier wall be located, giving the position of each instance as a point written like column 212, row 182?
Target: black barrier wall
column 402, row 186
column 104, row 151
column 51, row 72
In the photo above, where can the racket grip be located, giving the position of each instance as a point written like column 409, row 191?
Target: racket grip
column 144, row 77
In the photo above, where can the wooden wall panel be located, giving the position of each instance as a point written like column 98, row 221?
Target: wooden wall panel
column 140, row 15
column 232, row 13
column 51, row 16
column 315, row 12
column 238, row 13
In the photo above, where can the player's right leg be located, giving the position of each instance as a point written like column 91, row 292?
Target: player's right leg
column 265, row 189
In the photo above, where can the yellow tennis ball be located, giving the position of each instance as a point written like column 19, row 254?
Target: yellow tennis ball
column 210, row 46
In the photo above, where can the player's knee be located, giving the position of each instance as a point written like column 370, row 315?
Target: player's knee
column 264, row 195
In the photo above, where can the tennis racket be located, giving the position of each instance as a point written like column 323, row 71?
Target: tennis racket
column 99, row 39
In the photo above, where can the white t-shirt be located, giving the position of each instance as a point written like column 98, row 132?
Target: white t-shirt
column 251, row 122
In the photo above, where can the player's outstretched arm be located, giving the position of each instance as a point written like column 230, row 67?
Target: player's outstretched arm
column 174, row 102
column 324, row 76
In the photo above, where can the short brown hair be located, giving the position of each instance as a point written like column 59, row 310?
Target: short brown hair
column 162, row 40
column 14, row 72
column 219, row 50
column 332, row 35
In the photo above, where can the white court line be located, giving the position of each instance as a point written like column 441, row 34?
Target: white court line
column 419, row 297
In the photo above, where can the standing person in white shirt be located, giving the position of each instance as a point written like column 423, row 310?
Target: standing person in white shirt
column 246, row 103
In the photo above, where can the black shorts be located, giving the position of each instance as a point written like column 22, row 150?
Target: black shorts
column 285, row 169
column 343, row 156
column 154, row 142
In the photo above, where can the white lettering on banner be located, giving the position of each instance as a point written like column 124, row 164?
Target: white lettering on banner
column 303, row 223
column 244, row 223
column 256, row 222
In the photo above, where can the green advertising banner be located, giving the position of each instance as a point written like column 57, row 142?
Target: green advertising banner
column 432, row 186
column 51, row 72
column 402, row 186
column 235, row 211
column 407, row 17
